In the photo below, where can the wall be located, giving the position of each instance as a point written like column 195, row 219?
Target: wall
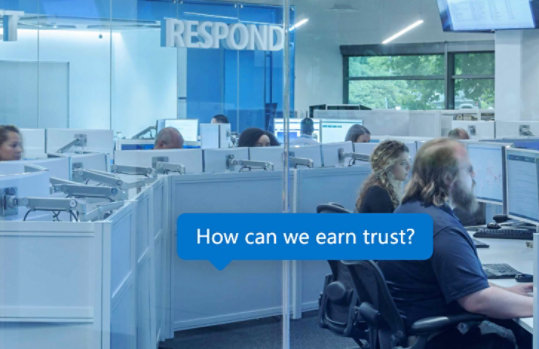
column 517, row 73
column 144, row 78
column 319, row 75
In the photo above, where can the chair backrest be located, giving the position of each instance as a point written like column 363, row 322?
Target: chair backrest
column 331, row 207
column 338, row 301
column 371, row 287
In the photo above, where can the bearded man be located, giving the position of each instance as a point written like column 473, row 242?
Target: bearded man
column 452, row 281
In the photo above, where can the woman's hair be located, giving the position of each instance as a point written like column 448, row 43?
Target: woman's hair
column 435, row 162
column 355, row 131
column 221, row 119
column 384, row 156
column 5, row 130
column 250, row 136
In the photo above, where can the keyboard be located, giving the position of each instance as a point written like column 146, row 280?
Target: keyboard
column 500, row 271
column 504, row 233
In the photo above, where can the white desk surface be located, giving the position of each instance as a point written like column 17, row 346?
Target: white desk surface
column 516, row 254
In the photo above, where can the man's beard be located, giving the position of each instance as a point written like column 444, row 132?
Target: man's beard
column 464, row 198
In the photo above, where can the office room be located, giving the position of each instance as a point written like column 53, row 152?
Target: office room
column 123, row 120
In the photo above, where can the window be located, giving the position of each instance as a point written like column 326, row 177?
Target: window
column 419, row 77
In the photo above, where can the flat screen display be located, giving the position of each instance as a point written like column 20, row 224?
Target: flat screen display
column 487, row 15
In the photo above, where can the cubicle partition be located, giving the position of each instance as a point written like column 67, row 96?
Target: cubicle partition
column 86, row 284
column 203, row 295
column 341, row 185
column 53, row 285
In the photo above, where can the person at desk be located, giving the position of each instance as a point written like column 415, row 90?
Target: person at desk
column 382, row 190
column 306, row 137
column 168, row 138
column 358, row 134
column 219, row 119
column 256, row 137
column 452, row 280
column 458, row 133
column 10, row 143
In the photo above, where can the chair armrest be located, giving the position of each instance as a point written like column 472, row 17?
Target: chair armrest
column 436, row 323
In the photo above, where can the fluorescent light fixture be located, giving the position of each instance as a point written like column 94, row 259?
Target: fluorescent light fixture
column 299, row 24
column 404, row 31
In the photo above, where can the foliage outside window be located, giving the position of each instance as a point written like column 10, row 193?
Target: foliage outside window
column 418, row 82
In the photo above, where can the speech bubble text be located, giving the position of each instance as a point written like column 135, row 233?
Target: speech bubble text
column 222, row 238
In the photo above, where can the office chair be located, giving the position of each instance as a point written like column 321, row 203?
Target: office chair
column 338, row 302
column 386, row 326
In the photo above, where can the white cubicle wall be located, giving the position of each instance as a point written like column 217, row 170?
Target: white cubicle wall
column 215, row 160
column 313, row 152
column 100, row 141
column 25, row 185
column 90, row 161
column 34, row 143
column 341, row 185
column 88, row 284
column 246, row 289
column 515, row 129
column 190, row 158
column 476, row 129
column 330, row 153
column 268, row 154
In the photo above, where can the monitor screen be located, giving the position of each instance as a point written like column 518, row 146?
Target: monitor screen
column 487, row 160
column 522, row 184
column 187, row 127
column 335, row 130
column 487, row 15
column 294, row 128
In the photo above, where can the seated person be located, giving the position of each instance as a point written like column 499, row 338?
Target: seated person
column 168, row 138
column 452, row 280
column 382, row 190
column 306, row 137
column 458, row 133
column 255, row 137
column 10, row 143
column 219, row 119
column 358, row 134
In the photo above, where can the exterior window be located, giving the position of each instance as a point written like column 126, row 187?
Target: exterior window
column 420, row 81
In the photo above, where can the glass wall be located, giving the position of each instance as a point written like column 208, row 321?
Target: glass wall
column 111, row 64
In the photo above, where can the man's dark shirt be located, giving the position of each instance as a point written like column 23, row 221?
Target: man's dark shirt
column 432, row 287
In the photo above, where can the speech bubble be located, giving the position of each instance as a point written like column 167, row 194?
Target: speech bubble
column 223, row 237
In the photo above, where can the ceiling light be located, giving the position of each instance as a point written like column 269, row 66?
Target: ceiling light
column 404, row 31
column 299, row 24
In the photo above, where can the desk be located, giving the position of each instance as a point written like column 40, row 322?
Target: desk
column 516, row 254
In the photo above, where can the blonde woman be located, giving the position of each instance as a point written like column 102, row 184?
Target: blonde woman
column 382, row 190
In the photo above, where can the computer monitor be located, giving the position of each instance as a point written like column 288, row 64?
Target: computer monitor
column 294, row 129
column 365, row 148
column 268, row 154
column 522, row 184
column 135, row 144
column 215, row 160
column 190, row 158
column 475, row 129
column 187, row 127
column 100, row 141
column 334, row 130
column 330, row 153
column 312, row 152
column 488, row 162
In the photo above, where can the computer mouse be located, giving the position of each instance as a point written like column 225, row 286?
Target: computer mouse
column 493, row 225
column 524, row 278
